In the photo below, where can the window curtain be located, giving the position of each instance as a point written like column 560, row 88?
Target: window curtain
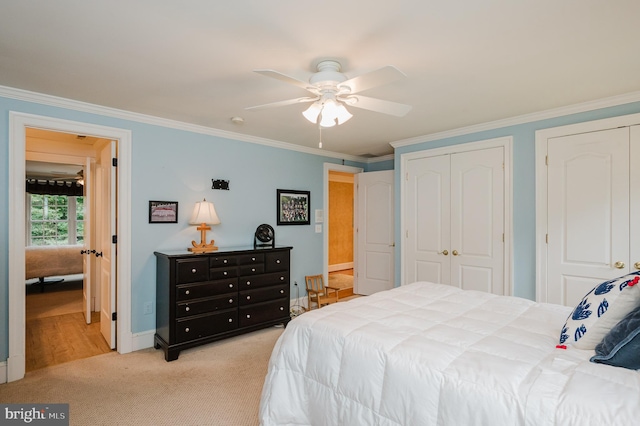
column 53, row 187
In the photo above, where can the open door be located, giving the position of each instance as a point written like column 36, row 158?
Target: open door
column 375, row 234
column 106, row 252
column 86, row 254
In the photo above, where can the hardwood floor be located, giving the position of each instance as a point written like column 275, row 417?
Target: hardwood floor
column 346, row 289
column 56, row 331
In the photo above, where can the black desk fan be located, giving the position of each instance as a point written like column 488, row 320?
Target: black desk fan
column 264, row 236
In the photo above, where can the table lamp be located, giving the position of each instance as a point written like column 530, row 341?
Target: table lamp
column 204, row 214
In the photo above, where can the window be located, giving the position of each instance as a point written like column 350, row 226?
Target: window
column 55, row 220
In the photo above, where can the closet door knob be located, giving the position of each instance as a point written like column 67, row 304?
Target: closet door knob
column 445, row 252
column 636, row 265
column 455, row 252
column 619, row 264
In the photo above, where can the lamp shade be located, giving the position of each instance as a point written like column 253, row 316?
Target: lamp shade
column 204, row 212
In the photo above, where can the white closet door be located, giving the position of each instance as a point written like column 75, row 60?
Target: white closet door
column 634, row 231
column 588, row 212
column 427, row 211
column 477, row 220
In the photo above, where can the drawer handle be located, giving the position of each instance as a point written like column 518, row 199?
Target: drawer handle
column 224, row 261
column 248, row 282
column 282, row 308
column 253, row 269
column 230, row 285
column 187, row 309
column 248, row 316
column 186, row 292
column 225, row 273
column 281, row 278
column 230, row 300
column 248, row 297
column 194, row 270
column 253, row 259
column 186, row 329
column 278, row 261
column 281, row 291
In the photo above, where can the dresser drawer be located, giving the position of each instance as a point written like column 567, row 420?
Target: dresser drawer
column 192, row 328
column 248, row 297
column 257, row 281
column 255, row 314
column 220, row 261
column 251, row 259
column 207, row 289
column 203, row 306
column 278, row 261
column 251, row 269
column 222, row 273
column 192, row 270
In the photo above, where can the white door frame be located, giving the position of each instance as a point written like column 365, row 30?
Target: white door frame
column 18, row 122
column 506, row 143
column 325, row 206
column 542, row 136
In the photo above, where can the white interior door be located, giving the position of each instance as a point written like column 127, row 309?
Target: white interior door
column 375, row 233
column 427, row 217
column 87, row 280
column 106, row 221
column 588, row 212
column 477, row 220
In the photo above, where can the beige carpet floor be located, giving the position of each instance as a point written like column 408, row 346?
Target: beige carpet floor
column 216, row 384
column 340, row 280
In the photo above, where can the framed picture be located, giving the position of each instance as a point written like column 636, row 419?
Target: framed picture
column 293, row 207
column 163, row 212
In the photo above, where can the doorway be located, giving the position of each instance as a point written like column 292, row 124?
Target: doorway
column 18, row 123
column 61, row 320
column 340, row 227
column 345, row 171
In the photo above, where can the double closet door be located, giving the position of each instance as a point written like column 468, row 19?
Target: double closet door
column 454, row 214
column 593, row 206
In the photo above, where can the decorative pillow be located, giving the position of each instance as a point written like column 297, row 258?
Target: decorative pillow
column 621, row 346
column 602, row 308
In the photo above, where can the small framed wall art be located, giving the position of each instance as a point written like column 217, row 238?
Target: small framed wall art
column 163, row 212
column 293, row 207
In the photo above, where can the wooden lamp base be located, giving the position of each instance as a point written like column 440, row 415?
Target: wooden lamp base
column 202, row 246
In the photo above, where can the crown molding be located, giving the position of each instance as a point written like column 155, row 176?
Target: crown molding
column 522, row 119
column 55, row 101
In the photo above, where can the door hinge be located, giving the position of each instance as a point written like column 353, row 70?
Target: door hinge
column 503, row 237
column 546, row 160
column 406, row 176
column 114, row 162
column 114, row 316
column 114, row 239
column 546, row 238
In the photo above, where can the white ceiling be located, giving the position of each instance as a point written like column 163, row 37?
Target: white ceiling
column 467, row 62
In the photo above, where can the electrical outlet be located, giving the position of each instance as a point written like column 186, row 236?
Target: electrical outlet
column 148, row 308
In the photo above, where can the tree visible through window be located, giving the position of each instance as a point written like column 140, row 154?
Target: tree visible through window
column 55, row 220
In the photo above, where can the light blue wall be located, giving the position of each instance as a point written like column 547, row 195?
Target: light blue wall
column 177, row 165
column 523, row 196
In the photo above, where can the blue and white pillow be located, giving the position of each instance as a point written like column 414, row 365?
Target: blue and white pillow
column 602, row 308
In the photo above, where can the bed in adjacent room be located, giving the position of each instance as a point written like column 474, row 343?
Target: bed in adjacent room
column 431, row 354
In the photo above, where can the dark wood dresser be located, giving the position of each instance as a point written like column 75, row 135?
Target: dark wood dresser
column 201, row 298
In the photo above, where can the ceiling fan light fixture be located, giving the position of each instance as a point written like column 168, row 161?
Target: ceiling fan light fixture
column 313, row 112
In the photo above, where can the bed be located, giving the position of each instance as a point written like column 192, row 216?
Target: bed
column 431, row 354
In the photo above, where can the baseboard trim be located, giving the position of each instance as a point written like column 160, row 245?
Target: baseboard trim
column 142, row 340
column 3, row 372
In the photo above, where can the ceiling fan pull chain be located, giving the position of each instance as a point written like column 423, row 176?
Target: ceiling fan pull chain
column 320, row 131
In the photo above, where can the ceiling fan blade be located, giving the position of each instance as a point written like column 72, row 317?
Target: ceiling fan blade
column 377, row 105
column 375, row 78
column 283, row 77
column 283, row 103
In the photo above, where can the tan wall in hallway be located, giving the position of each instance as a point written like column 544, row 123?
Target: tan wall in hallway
column 340, row 218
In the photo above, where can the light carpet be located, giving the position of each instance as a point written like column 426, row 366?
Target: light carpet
column 215, row 384
column 341, row 280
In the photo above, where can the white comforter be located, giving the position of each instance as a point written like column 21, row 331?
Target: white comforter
column 430, row 354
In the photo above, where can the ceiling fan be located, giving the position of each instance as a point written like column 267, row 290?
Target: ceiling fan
column 333, row 91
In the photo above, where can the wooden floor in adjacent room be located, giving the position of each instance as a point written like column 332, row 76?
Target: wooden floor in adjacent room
column 56, row 330
column 344, row 280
